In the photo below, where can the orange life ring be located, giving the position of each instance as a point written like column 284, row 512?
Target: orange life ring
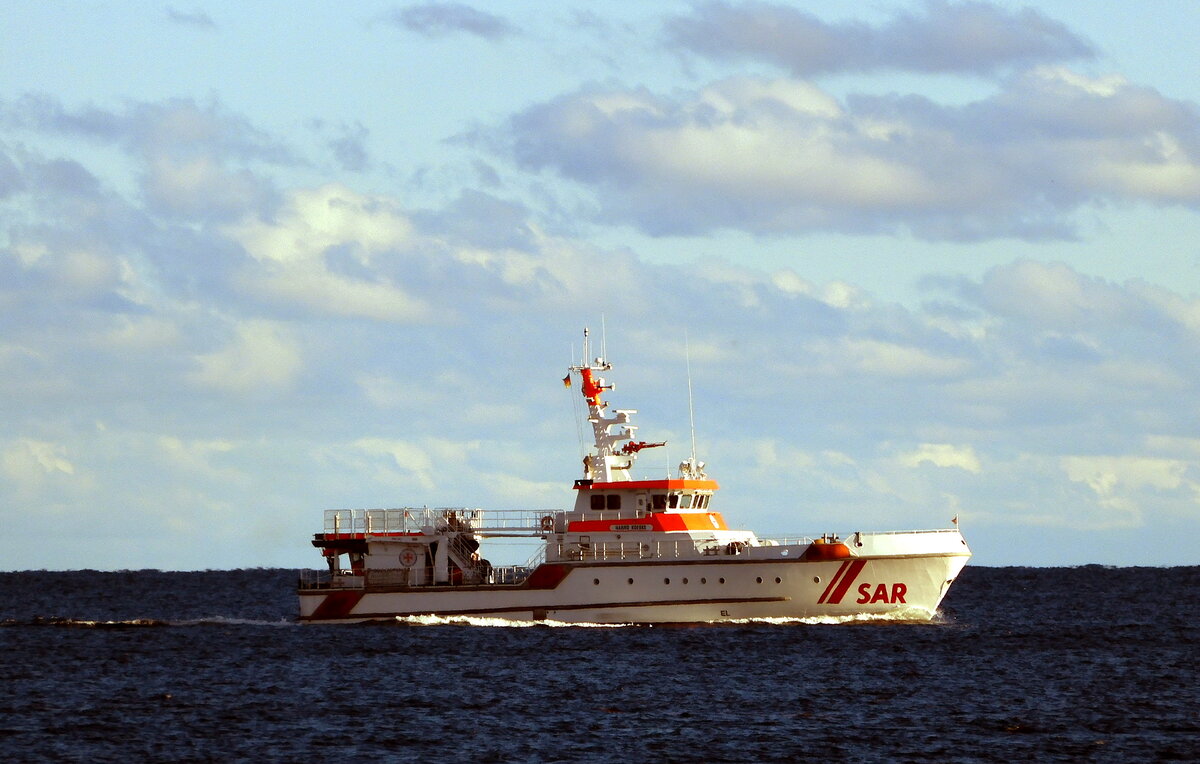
column 547, row 523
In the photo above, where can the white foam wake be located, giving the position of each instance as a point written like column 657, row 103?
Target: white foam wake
column 907, row 615
column 470, row 620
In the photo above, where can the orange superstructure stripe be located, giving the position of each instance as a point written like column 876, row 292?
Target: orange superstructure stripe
column 644, row 485
column 659, row 521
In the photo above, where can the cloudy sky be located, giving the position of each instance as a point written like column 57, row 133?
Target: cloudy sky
column 928, row 259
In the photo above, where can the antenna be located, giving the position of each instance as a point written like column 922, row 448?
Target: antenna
column 603, row 339
column 687, row 354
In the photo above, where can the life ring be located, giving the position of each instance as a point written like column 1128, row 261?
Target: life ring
column 547, row 523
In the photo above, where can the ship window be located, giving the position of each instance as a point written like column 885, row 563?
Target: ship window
column 674, row 500
column 685, row 501
column 758, row 580
column 704, row 580
column 703, row 502
column 614, row 501
column 720, row 580
column 660, row 501
column 631, row 582
column 778, row 580
column 667, row 581
column 596, row 581
column 685, row 580
column 597, row 501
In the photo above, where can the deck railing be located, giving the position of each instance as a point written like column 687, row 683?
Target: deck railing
column 416, row 519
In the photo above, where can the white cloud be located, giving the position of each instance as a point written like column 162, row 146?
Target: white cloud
column 885, row 359
column 1120, row 484
column 315, row 220
column 26, row 456
column 174, row 272
column 419, row 467
column 781, row 156
column 942, row 455
column 262, row 357
column 194, row 455
column 30, row 466
column 202, row 185
column 438, row 19
column 963, row 37
column 142, row 333
column 293, row 251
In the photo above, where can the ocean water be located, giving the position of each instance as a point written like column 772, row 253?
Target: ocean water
column 1048, row 664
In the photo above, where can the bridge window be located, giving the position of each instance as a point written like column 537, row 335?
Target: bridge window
column 597, row 501
column 674, row 500
column 660, row 502
column 685, row 501
column 614, row 501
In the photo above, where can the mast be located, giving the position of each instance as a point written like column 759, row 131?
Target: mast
column 691, row 467
column 614, row 449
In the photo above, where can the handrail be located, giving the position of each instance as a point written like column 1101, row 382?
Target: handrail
column 786, row 541
column 417, row 519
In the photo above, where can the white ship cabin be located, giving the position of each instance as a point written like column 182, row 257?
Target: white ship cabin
column 645, row 519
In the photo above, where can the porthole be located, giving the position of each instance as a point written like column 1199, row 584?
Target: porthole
column 758, row 580
column 704, row 580
column 816, row 579
column 631, row 582
column 667, row 581
column 596, row 581
column 721, row 580
column 778, row 580
column 685, row 580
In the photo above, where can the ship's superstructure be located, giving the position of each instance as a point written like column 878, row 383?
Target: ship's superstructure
column 630, row 551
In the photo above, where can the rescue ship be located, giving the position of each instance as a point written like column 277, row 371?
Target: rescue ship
column 631, row 550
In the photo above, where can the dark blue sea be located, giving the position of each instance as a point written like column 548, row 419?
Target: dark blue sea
column 1047, row 664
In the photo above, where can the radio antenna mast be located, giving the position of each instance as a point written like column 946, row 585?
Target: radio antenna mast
column 603, row 338
column 687, row 354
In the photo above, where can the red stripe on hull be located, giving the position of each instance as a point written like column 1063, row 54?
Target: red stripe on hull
column 833, row 582
column 850, row 571
column 548, row 575
column 338, row 604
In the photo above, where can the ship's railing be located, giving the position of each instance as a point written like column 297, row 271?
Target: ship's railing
column 805, row 540
column 386, row 578
column 323, row 579
column 785, row 541
column 510, row 574
column 905, row 533
column 417, row 519
column 642, row 550
column 537, row 558
column 523, row 521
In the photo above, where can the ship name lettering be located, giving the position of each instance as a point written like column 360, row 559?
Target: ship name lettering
column 867, row 595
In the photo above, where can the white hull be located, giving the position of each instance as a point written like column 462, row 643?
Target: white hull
column 681, row 591
column 649, row 550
